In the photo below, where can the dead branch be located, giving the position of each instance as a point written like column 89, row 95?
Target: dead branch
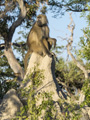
column 71, row 28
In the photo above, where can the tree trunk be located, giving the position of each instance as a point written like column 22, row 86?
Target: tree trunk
column 14, row 64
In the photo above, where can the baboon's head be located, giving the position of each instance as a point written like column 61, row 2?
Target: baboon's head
column 41, row 20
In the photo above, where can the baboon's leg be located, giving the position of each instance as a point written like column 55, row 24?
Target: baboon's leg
column 35, row 47
column 45, row 42
column 41, row 47
column 45, row 50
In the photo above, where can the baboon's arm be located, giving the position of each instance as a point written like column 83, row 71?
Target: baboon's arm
column 52, row 41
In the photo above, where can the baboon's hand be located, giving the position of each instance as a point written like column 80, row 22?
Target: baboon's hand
column 50, row 55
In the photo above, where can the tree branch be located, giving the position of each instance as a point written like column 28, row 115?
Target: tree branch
column 71, row 28
column 79, row 10
column 70, row 6
column 19, row 20
column 2, row 46
column 8, row 7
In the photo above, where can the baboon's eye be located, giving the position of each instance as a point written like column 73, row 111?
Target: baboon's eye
column 39, row 17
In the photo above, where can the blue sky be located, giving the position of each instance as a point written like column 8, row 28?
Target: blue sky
column 58, row 28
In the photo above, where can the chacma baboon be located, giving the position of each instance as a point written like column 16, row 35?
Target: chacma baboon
column 38, row 39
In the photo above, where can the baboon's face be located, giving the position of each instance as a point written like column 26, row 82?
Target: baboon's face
column 42, row 20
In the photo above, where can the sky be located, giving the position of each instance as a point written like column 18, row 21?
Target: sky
column 58, row 28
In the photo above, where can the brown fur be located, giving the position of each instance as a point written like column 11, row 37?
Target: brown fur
column 38, row 39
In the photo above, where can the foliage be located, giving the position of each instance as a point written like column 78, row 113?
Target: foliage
column 69, row 74
column 84, row 43
column 86, row 90
column 70, row 110
column 60, row 7
column 84, row 52
column 7, row 85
